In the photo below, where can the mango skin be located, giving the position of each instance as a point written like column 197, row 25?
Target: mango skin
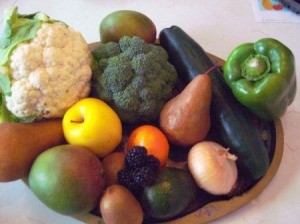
column 127, row 23
column 67, row 179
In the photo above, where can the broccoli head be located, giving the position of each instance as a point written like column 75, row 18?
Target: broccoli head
column 136, row 80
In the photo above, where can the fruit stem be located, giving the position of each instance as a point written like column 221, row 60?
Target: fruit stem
column 227, row 154
column 212, row 68
column 81, row 121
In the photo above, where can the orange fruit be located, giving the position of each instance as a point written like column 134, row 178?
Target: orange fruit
column 153, row 140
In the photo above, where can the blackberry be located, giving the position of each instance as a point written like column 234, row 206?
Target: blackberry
column 136, row 157
column 152, row 162
column 134, row 188
column 144, row 176
column 140, row 169
column 125, row 178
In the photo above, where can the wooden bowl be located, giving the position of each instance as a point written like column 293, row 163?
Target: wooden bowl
column 217, row 209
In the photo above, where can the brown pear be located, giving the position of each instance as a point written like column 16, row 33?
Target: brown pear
column 21, row 143
column 185, row 119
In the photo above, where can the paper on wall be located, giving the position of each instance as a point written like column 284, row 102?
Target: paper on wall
column 273, row 11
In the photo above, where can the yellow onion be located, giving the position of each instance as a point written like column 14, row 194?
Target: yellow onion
column 213, row 167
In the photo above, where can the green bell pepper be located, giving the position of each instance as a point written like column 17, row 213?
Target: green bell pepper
column 262, row 77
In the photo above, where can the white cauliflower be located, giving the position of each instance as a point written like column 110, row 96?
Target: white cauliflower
column 48, row 73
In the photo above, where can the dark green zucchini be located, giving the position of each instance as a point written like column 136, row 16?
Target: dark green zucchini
column 232, row 124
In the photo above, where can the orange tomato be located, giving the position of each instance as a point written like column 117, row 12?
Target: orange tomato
column 153, row 140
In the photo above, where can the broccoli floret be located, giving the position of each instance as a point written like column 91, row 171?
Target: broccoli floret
column 147, row 94
column 171, row 76
column 126, row 104
column 133, row 46
column 127, row 99
column 117, row 75
column 117, row 60
column 142, row 64
column 137, row 82
column 158, row 54
column 125, row 43
column 108, row 50
column 150, row 109
column 103, row 94
column 102, row 63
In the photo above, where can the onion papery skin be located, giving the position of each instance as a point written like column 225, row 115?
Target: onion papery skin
column 212, row 167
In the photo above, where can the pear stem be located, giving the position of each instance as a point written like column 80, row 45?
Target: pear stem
column 212, row 68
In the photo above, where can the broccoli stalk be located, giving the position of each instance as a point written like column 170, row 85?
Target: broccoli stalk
column 136, row 78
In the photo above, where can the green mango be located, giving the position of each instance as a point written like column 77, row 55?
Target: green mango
column 68, row 179
column 126, row 23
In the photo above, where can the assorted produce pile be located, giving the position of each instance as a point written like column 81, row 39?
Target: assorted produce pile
column 132, row 130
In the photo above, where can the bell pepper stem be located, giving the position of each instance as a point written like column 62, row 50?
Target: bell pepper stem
column 256, row 67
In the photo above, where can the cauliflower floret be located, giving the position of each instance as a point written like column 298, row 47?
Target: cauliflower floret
column 32, row 53
column 55, row 35
column 49, row 73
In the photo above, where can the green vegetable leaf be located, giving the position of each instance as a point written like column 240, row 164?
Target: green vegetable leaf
column 5, row 85
column 19, row 28
column 11, row 14
column 22, row 30
column 5, row 39
column 29, row 119
column 4, row 81
column 28, row 16
column 5, row 114
column 42, row 17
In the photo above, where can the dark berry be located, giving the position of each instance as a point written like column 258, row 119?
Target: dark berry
column 144, row 176
column 134, row 188
column 152, row 162
column 136, row 157
column 125, row 178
